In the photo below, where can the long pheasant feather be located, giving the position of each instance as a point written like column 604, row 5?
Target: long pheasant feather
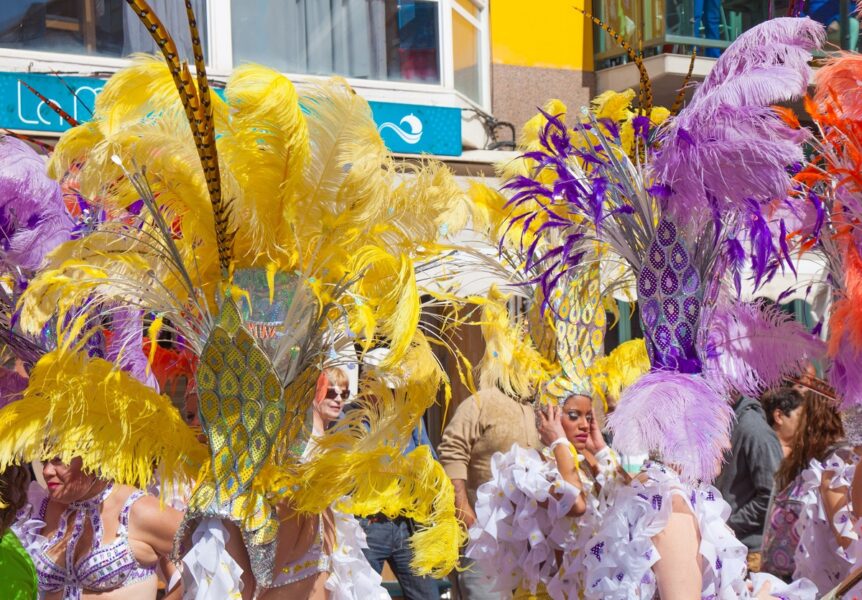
column 179, row 71
column 680, row 96
column 209, row 153
column 645, row 93
column 198, row 112
column 52, row 105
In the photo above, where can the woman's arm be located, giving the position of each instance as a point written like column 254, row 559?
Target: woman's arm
column 678, row 572
column 551, row 433
column 154, row 526
column 856, row 493
column 834, row 500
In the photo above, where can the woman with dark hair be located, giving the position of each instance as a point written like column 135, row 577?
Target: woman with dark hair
column 783, row 408
column 819, row 430
column 19, row 576
column 825, row 522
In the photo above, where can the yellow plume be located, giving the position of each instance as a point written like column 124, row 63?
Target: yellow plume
column 510, row 363
column 76, row 406
column 611, row 374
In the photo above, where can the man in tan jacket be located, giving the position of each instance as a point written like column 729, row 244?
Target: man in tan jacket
column 486, row 422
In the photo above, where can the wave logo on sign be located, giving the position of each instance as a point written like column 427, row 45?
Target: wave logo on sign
column 412, row 132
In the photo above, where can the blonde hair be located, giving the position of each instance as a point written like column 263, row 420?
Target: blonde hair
column 330, row 376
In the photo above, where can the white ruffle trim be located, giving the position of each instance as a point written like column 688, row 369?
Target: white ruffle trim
column 802, row 589
column 209, row 571
column 351, row 577
column 27, row 526
column 522, row 523
column 619, row 558
column 818, row 555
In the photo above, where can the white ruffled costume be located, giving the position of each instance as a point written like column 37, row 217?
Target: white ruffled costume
column 522, row 528
column 818, row 556
column 621, row 555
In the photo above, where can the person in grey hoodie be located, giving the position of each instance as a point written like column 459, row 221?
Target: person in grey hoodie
column 746, row 479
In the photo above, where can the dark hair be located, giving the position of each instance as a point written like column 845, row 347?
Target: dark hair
column 819, row 429
column 785, row 399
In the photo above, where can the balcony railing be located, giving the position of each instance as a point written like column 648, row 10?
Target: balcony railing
column 678, row 26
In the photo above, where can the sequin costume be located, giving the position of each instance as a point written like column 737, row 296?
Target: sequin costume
column 819, row 557
column 103, row 568
column 522, row 523
column 273, row 225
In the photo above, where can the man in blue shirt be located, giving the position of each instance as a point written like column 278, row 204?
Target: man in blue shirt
column 388, row 539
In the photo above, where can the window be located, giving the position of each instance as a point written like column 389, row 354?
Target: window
column 467, row 53
column 394, row 40
column 431, row 42
column 91, row 27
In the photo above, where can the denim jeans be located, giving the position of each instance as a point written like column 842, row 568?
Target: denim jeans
column 388, row 541
column 708, row 12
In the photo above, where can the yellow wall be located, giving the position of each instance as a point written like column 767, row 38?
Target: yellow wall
column 540, row 33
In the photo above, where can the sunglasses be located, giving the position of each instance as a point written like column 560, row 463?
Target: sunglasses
column 333, row 393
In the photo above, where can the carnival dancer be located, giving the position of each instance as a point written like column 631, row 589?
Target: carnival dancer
column 292, row 231
column 99, row 434
column 696, row 197
column 326, row 559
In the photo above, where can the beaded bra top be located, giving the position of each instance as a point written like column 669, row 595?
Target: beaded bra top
column 105, row 567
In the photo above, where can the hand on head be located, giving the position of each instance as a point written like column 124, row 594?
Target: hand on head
column 596, row 441
column 551, row 424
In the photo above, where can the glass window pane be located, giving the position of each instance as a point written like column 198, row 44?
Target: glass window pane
column 394, row 40
column 96, row 27
column 465, row 50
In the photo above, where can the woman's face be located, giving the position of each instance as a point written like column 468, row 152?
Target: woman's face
column 67, row 483
column 329, row 404
column 577, row 418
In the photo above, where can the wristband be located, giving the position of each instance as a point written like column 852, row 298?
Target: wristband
column 560, row 441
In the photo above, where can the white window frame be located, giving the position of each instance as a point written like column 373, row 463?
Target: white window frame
column 220, row 60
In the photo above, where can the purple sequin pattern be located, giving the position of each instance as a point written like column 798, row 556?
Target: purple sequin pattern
column 670, row 291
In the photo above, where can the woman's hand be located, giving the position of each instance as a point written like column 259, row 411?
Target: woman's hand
column 596, row 442
column 551, row 424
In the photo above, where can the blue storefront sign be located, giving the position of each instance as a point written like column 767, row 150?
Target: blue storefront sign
column 405, row 128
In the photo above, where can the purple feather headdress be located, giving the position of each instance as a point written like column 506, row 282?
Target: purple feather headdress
column 680, row 417
column 699, row 200
column 33, row 217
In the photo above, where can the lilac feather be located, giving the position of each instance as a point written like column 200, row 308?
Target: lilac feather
column 752, row 346
column 728, row 146
column 33, row 217
column 678, row 416
column 126, row 349
column 12, row 385
column 846, row 376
